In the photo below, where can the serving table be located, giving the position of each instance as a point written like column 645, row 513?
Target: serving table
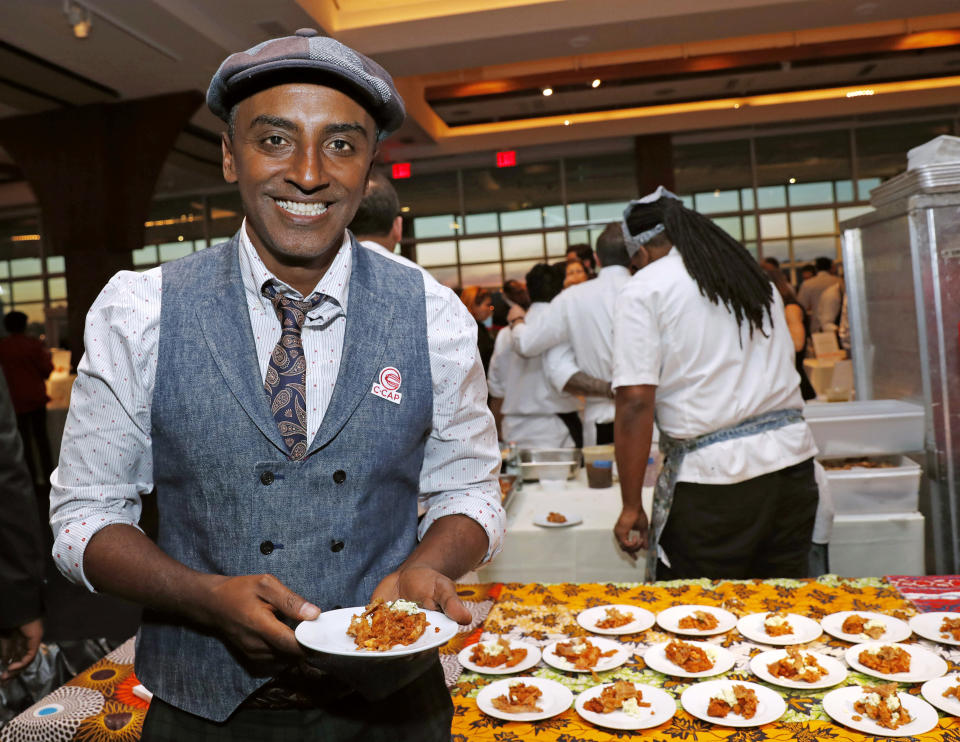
column 100, row 704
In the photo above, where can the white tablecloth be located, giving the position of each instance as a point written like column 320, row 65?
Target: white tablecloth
column 583, row 553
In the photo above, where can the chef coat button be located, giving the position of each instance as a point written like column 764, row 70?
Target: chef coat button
column 336, row 546
column 266, row 477
column 266, row 548
column 339, row 476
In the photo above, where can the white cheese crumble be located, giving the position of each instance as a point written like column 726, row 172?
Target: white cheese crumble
column 774, row 621
column 405, row 606
column 727, row 694
column 631, row 708
column 711, row 652
column 494, row 648
column 874, row 623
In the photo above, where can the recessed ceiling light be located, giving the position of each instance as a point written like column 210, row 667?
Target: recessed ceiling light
column 404, row 209
column 595, row 83
column 547, row 91
column 566, row 122
column 793, row 180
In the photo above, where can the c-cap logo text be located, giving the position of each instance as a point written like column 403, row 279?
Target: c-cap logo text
column 388, row 385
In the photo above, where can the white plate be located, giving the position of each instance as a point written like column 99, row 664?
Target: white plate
column 804, row 629
column 933, row 690
column 573, row 519
column 532, row 658
column 927, row 625
column 924, row 664
column 328, row 633
column 839, row 706
column 621, row 655
column 642, row 619
column 670, row 618
column 555, row 700
column 696, row 699
column 656, row 659
column 662, row 708
column 896, row 630
column 836, row 672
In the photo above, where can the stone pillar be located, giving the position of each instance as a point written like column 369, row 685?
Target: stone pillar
column 654, row 159
column 94, row 169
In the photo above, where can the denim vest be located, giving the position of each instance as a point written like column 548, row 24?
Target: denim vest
column 338, row 521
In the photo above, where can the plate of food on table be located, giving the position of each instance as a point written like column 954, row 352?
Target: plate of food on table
column 794, row 667
column 696, row 620
column 524, row 699
column 625, row 705
column 688, row 659
column 778, row 628
column 380, row 629
column 593, row 654
column 901, row 663
column 944, row 693
column 733, row 703
column 863, row 626
column 499, row 656
column 938, row 626
column 616, row 619
column 557, row 519
column 880, row 710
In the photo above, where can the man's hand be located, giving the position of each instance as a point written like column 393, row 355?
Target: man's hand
column 246, row 610
column 632, row 521
column 19, row 646
column 516, row 313
column 426, row 587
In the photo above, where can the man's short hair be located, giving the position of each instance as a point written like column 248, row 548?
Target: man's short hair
column 771, row 261
column 15, row 321
column 610, row 246
column 823, row 264
column 543, row 282
column 378, row 209
column 585, row 253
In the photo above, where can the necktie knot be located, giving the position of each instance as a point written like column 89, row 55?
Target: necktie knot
column 291, row 312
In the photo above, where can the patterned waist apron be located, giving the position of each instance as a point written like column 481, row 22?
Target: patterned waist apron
column 674, row 449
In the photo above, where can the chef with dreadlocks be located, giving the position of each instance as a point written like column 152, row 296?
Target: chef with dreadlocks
column 701, row 345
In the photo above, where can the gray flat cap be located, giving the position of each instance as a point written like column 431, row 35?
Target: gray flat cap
column 307, row 57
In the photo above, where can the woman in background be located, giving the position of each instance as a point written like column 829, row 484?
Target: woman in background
column 576, row 273
column 798, row 324
column 479, row 303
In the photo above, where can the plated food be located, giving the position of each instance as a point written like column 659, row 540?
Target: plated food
column 879, row 626
column 780, row 629
column 944, row 693
column 696, row 620
column 732, row 703
column 612, row 706
column 552, row 519
column 689, row 659
column 796, row 668
column 852, row 706
column 616, row 619
column 499, row 656
column 938, row 626
column 384, row 625
column 903, row 663
column 544, row 699
column 586, row 655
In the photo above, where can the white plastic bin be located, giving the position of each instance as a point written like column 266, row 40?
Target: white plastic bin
column 861, row 491
column 877, row 545
column 865, row 427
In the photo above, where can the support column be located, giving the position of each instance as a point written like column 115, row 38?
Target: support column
column 94, row 169
column 654, row 162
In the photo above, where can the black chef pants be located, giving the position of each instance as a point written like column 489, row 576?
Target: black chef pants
column 757, row 528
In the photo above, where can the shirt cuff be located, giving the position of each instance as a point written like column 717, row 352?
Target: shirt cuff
column 635, row 380
column 482, row 506
column 71, row 543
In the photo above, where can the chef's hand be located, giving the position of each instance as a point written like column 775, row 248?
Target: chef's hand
column 632, row 530
column 246, row 610
column 18, row 647
column 516, row 312
column 426, row 587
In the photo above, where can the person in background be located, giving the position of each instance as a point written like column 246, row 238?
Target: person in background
column 574, row 273
column 378, row 224
column 701, row 344
column 584, row 253
column 479, row 303
column 26, row 362
column 797, row 322
column 21, row 551
column 513, row 293
column 583, row 317
column 812, row 289
column 829, row 307
column 770, row 263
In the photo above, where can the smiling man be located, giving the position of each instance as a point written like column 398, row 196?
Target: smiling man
column 252, row 399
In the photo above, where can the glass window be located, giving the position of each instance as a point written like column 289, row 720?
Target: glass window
column 771, row 197
column 810, row 194
column 717, row 201
column 57, row 288
column 773, row 226
column 437, row 253
column 810, row 248
column 146, row 255
column 482, row 223
column 525, row 219
column 687, row 201
column 609, row 212
column 446, row 276
column 518, row 270
column 56, row 264
column 485, row 274
column 4, row 269
column 479, row 250
column 553, row 216
column 746, row 198
column 865, row 185
column 779, row 249
column 749, row 227
column 751, row 248
column 852, row 211
column 174, row 250
column 523, row 246
column 601, row 178
column 577, row 237
column 5, row 295
column 730, row 225
column 844, row 190
column 556, row 243
column 706, row 167
column 24, row 291
column 26, row 267
column 817, row 221
column 446, row 225
column 576, row 213
column 35, row 314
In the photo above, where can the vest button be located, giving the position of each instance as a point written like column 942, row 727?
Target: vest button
column 336, row 546
column 266, row 477
column 339, row 476
column 266, row 548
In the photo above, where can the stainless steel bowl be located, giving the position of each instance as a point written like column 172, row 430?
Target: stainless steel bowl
column 549, row 463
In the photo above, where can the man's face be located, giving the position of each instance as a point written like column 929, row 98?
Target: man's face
column 301, row 155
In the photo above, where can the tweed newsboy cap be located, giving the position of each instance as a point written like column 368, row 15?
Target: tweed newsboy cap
column 307, row 57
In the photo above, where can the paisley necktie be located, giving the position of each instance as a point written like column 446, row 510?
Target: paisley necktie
column 286, row 379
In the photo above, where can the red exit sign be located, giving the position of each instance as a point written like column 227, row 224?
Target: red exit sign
column 507, row 158
column 401, row 170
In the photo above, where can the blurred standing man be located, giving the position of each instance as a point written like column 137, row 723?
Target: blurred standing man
column 582, row 315
column 812, row 289
column 289, row 398
column 378, row 224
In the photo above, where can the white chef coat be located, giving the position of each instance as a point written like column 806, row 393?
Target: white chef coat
column 581, row 315
column 709, row 372
column 531, row 389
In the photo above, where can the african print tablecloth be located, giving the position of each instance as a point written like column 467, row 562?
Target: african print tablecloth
column 99, row 705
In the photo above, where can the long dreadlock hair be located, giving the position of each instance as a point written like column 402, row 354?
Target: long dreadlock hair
column 723, row 269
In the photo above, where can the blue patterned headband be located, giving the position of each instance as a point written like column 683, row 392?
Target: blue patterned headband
column 633, row 243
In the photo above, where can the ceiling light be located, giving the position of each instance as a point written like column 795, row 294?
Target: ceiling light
column 595, row 83
column 566, row 122
column 736, row 105
column 79, row 18
column 405, row 209
column 547, row 91
column 858, row 93
column 792, row 181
